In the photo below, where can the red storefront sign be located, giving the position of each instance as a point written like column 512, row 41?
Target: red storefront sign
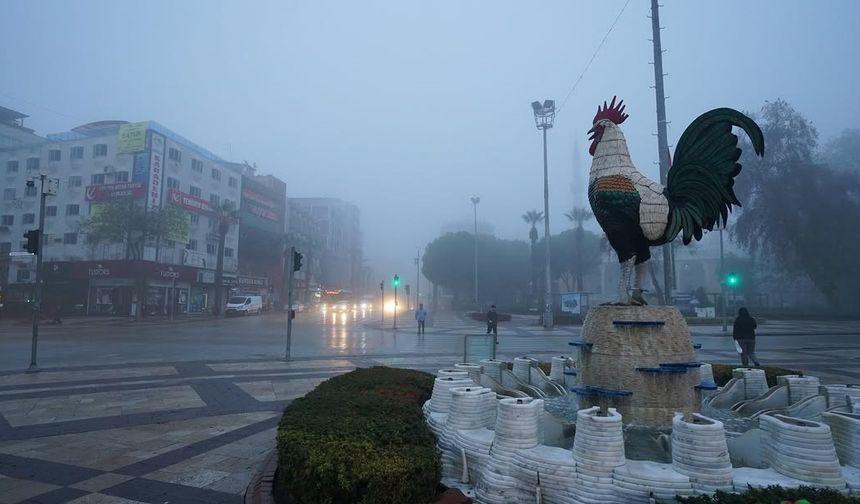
column 189, row 202
column 106, row 192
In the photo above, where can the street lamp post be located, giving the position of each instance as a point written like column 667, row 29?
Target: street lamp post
column 475, row 201
column 50, row 189
column 544, row 115
column 723, row 282
column 418, row 279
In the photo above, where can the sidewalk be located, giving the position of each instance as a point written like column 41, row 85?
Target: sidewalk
column 77, row 321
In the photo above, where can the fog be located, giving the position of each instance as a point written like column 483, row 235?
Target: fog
column 409, row 108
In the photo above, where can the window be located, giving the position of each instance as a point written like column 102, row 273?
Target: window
column 192, row 245
column 50, row 211
column 195, row 191
column 23, row 275
column 5, row 247
column 29, row 218
column 97, row 179
column 174, row 154
column 70, row 238
column 30, row 191
column 7, row 220
column 229, row 203
column 54, row 155
column 11, row 166
column 75, row 181
column 33, row 163
column 211, row 222
column 210, row 248
column 214, row 200
column 216, row 174
column 172, row 183
column 233, row 182
column 196, row 165
column 195, row 219
column 73, row 210
column 120, row 176
column 9, row 193
column 228, row 252
column 99, row 150
column 77, row 152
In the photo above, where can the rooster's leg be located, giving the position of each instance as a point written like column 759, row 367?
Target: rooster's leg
column 638, row 281
column 624, row 282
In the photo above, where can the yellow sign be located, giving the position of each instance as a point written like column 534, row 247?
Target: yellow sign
column 132, row 137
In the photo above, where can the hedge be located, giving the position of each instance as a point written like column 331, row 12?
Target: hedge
column 774, row 495
column 359, row 438
column 723, row 373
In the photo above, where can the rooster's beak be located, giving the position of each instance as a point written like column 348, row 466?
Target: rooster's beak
column 592, row 133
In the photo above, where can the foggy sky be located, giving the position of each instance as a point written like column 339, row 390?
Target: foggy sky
column 408, row 108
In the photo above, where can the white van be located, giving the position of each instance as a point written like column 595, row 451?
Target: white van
column 244, row 305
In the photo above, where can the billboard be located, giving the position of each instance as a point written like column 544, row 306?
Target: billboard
column 571, row 302
column 107, row 192
column 156, row 167
column 263, row 203
column 188, row 201
column 180, row 234
column 132, row 138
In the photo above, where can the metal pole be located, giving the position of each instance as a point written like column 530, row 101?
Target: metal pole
column 418, row 279
column 723, row 283
column 173, row 299
column 395, row 306
column 547, row 312
column 290, row 304
column 382, row 310
column 475, row 201
column 662, row 138
column 37, row 298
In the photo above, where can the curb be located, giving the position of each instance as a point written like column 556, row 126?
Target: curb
column 259, row 491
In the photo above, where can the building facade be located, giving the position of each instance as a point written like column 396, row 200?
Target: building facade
column 340, row 234
column 97, row 165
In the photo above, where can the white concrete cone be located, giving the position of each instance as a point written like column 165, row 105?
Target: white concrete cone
column 598, row 448
column 801, row 449
column 493, row 368
column 700, row 451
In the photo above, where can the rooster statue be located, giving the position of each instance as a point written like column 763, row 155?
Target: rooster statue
column 637, row 213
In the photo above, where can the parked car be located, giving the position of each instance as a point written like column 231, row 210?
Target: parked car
column 244, row 305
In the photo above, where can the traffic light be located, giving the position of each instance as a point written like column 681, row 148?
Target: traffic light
column 406, row 290
column 297, row 261
column 733, row 280
column 32, row 237
column 382, row 286
column 395, row 281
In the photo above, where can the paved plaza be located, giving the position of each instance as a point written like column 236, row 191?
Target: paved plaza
column 185, row 412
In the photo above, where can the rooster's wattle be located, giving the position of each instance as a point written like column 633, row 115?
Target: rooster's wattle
column 637, row 213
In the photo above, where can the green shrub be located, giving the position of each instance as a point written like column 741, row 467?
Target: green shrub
column 723, row 373
column 359, row 438
column 774, row 495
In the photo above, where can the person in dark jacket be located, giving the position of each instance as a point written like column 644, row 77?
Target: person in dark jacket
column 493, row 322
column 744, row 334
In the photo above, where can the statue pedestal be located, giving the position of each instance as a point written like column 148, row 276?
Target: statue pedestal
column 639, row 360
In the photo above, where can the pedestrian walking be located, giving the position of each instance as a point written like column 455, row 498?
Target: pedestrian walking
column 493, row 322
column 421, row 317
column 744, row 334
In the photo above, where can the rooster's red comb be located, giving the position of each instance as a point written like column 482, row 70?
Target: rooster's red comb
column 613, row 112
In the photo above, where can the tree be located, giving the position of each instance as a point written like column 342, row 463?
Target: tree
column 800, row 215
column 843, row 152
column 533, row 217
column 579, row 215
column 573, row 254
column 502, row 267
column 226, row 215
column 127, row 222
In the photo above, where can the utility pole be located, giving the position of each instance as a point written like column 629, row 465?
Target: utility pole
column 475, row 201
column 544, row 115
column 662, row 139
column 382, row 306
column 37, row 297
column 418, row 279
column 723, row 282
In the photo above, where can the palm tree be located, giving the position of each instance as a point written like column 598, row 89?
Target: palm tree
column 533, row 217
column 226, row 214
column 579, row 215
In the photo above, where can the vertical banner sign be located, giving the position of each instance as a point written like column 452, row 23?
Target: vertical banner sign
column 156, row 167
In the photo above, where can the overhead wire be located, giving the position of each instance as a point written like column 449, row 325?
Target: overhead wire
column 593, row 57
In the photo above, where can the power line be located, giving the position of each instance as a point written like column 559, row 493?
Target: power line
column 593, row 56
column 28, row 102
